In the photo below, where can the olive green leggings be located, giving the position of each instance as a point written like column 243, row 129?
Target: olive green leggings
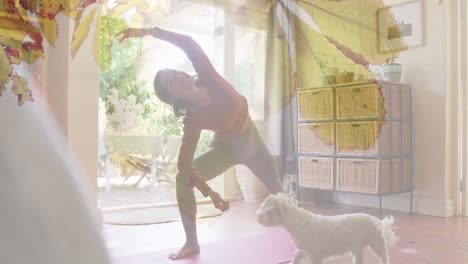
column 248, row 149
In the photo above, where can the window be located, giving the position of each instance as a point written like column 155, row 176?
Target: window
column 250, row 68
column 237, row 52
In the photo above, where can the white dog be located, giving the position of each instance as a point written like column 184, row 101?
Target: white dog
column 318, row 237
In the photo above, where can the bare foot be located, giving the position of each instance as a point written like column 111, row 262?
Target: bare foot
column 185, row 251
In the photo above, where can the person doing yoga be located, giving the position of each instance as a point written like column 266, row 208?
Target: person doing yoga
column 208, row 102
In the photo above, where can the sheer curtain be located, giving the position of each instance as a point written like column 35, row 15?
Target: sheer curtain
column 280, row 99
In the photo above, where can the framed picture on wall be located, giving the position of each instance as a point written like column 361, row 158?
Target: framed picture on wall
column 408, row 25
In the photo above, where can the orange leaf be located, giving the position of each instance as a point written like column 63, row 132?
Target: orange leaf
column 81, row 32
column 9, row 6
column 20, row 89
column 44, row 8
column 33, row 41
column 15, row 29
column 5, row 67
column 13, row 54
column 20, row 11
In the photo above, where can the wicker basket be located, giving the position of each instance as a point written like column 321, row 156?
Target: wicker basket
column 316, row 172
column 362, row 175
column 316, row 138
column 363, row 138
column 359, row 101
column 315, row 104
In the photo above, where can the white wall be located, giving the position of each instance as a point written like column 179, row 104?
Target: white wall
column 424, row 68
column 83, row 95
column 72, row 95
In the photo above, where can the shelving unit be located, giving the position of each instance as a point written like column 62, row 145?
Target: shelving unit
column 356, row 137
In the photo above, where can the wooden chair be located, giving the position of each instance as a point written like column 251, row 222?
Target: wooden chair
column 151, row 155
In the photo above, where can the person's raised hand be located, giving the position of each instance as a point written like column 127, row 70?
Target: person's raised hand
column 130, row 33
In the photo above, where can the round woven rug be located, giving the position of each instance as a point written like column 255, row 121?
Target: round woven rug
column 150, row 216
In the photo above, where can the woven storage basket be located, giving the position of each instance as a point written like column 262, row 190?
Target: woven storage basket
column 359, row 101
column 363, row 138
column 316, row 138
column 316, row 172
column 362, row 175
column 315, row 104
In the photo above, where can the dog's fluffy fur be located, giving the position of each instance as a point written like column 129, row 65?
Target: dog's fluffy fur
column 318, row 237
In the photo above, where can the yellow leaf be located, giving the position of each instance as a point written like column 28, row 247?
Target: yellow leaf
column 16, row 29
column 5, row 67
column 49, row 29
column 30, row 56
column 96, row 41
column 12, row 34
column 71, row 13
column 15, row 60
column 10, row 42
column 81, row 32
column 72, row 4
column 73, row 8
column 20, row 89
column 21, row 11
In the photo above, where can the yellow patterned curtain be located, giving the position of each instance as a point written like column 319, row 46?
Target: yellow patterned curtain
column 346, row 35
column 309, row 38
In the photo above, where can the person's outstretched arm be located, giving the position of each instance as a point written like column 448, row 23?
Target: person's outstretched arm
column 191, row 48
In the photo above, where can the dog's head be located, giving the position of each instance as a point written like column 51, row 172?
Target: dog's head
column 273, row 210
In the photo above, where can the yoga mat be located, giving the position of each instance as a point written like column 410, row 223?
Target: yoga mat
column 149, row 216
column 272, row 247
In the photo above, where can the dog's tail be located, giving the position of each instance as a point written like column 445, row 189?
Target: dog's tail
column 389, row 234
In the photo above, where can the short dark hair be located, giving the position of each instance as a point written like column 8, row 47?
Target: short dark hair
column 165, row 96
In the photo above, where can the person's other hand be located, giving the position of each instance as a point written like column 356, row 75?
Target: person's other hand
column 218, row 201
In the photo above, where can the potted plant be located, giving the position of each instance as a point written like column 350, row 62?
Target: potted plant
column 329, row 73
column 345, row 77
column 392, row 70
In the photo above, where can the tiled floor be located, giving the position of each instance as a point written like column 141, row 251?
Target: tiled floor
column 423, row 239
